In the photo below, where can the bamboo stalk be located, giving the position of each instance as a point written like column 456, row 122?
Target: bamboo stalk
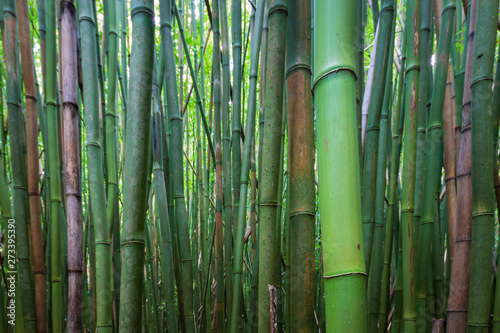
column 135, row 171
column 376, row 266
column 409, row 160
column 181, row 219
column 71, row 157
column 300, row 204
column 226, row 157
column 482, row 166
column 55, row 184
column 31, row 98
column 219, row 241
column 249, row 134
column 372, row 132
column 93, row 144
column 271, row 141
column 460, row 271
column 431, row 180
column 338, row 167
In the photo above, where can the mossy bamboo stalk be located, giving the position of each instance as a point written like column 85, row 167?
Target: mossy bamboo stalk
column 270, row 274
column 372, row 132
column 460, row 271
column 31, row 98
column 300, row 204
column 434, row 133
column 72, row 163
column 249, row 134
column 335, row 100
column 135, row 171
column 95, row 161
column 482, row 166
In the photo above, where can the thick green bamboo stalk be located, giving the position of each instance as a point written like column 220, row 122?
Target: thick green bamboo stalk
column 434, row 135
column 482, row 167
column 373, row 125
column 300, row 204
column 409, row 162
column 249, row 134
column 32, row 105
column 376, row 266
column 175, row 152
column 270, row 272
column 460, row 271
column 136, row 157
column 55, row 183
column 72, row 162
column 226, row 157
column 338, row 166
column 94, row 150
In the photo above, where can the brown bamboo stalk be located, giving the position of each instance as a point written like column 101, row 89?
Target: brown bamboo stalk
column 460, row 271
column 449, row 162
column 71, row 158
column 28, row 69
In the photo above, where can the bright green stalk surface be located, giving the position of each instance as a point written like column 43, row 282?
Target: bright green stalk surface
column 338, row 166
column 271, row 145
column 136, row 164
column 431, row 181
column 409, row 163
column 249, row 134
column 483, row 159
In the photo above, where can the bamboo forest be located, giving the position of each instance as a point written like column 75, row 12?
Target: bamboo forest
column 270, row 166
